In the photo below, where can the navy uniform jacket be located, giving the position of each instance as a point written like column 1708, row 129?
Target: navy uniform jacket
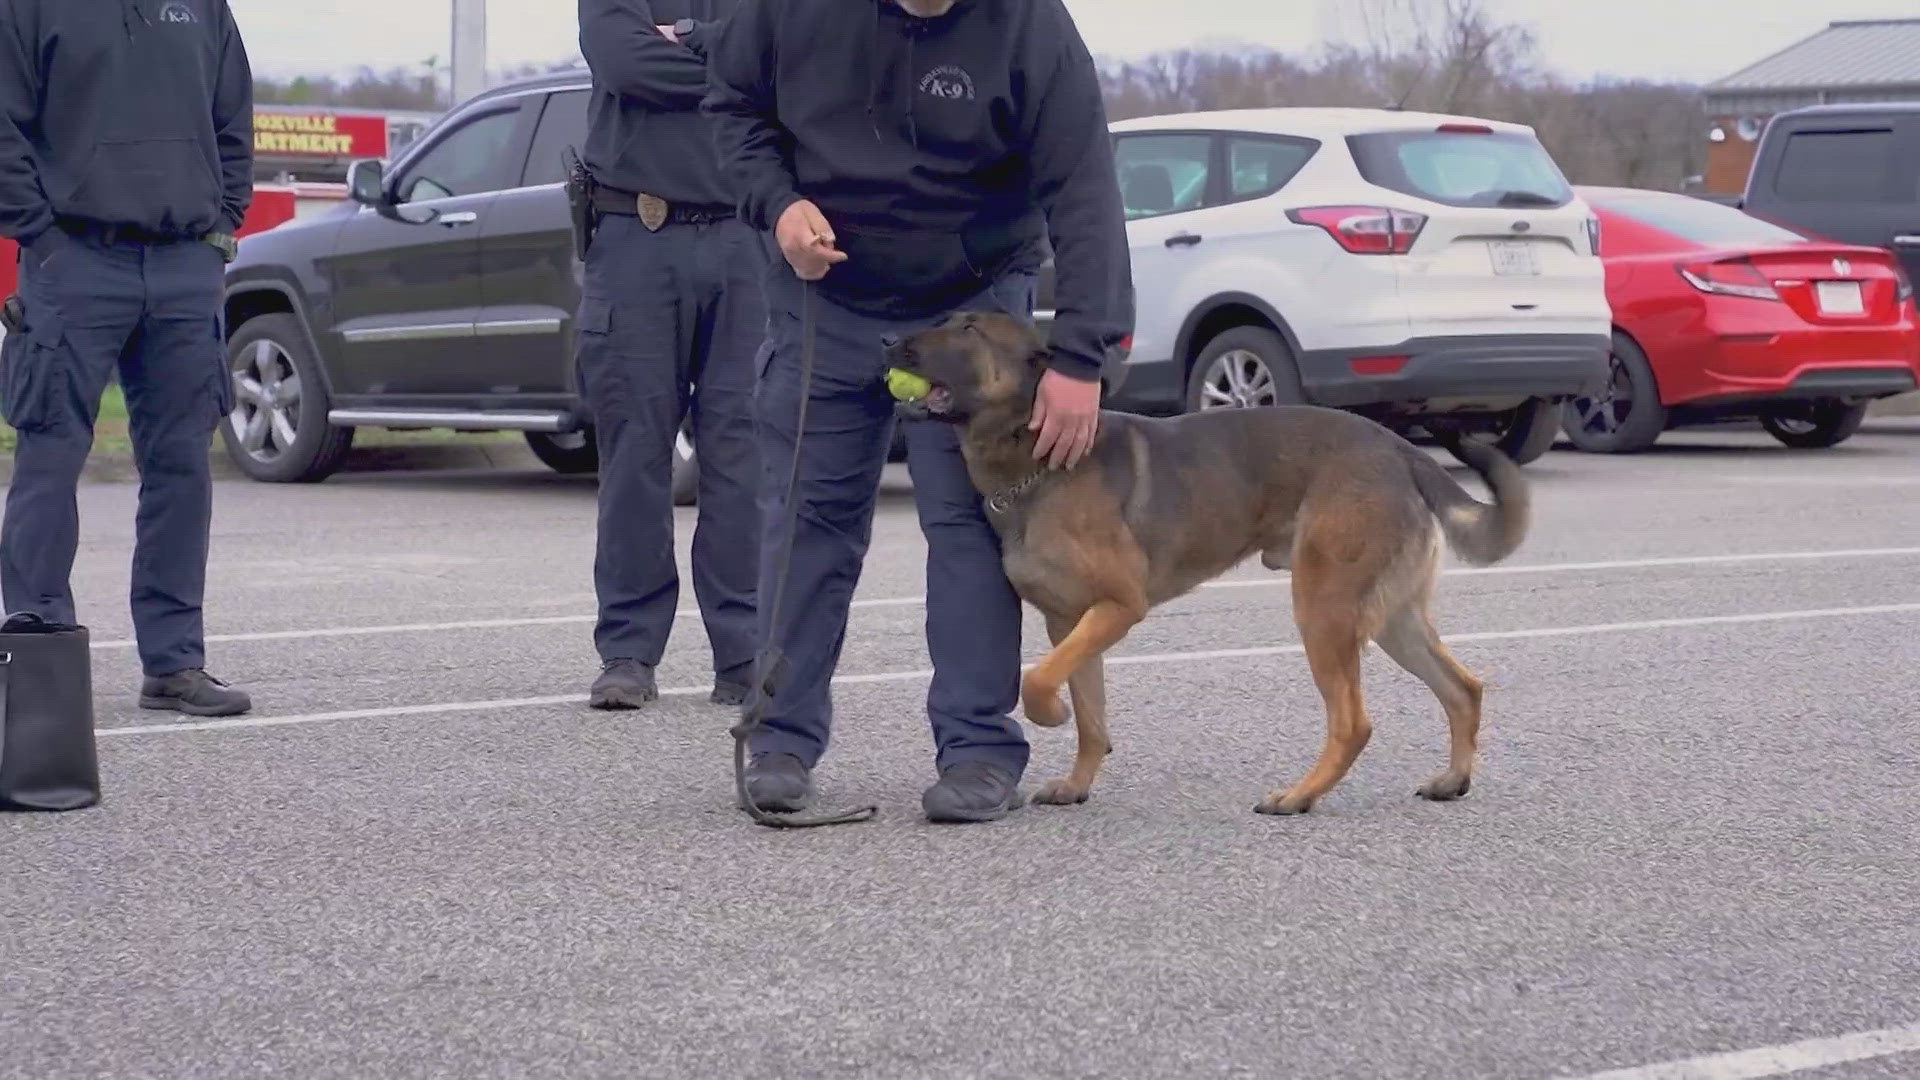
column 645, row 131
column 135, row 114
column 942, row 151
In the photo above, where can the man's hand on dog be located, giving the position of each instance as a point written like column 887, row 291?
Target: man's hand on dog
column 1066, row 413
column 807, row 241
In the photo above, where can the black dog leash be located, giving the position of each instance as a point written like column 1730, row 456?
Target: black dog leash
column 772, row 663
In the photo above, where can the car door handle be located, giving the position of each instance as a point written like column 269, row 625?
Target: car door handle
column 1186, row 239
column 459, row 217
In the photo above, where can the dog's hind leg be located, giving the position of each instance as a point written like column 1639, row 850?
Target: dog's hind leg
column 1410, row 639
column 1330, row 623
column 1092, row 743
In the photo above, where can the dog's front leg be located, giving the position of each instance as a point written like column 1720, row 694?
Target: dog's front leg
column 1099, row 629
column 1092, row 743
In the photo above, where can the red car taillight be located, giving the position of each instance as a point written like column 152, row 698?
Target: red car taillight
column 1729, row 277
column 1365, row 230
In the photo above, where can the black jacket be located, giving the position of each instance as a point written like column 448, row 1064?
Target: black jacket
column 941, row 151
column 645, row 131
column 130, row 113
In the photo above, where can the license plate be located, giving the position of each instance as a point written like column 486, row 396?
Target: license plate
column 1840, row 298
column 1513, row 257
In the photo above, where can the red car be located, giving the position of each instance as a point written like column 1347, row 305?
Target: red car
column 1722, row 316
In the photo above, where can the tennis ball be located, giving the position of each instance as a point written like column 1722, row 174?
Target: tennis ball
column 906, row 386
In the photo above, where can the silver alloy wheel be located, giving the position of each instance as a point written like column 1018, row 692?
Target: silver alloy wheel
column 1238, row 379
column 568, row 440
column 266, row 403
column 1795, row 425
column 682, row 446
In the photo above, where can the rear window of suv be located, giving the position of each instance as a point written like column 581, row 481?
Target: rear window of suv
column 1462, row 168
column 1836, row 166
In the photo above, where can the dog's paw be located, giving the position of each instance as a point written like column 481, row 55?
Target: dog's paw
column 1061, row 792
column 1043, row 707
column 1446, row 787
column 1279, row 805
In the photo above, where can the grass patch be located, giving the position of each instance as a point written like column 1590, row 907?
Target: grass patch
column 110, row 437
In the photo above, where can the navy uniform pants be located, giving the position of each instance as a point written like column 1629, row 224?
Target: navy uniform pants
column 669, row 325
column 973, row 615
column 153, row 312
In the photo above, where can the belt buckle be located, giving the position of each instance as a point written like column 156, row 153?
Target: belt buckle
column 653, row 211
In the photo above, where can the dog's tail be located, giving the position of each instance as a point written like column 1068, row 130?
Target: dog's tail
column 1480, row 533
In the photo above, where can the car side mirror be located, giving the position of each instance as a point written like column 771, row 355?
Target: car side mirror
column 367, row 183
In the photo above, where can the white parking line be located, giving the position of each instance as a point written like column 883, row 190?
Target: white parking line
column 1821, row 480
column 1778, row 1060
column 915, row 601
column 1117, row 661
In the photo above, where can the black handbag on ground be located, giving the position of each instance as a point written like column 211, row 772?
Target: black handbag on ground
column 48, row 759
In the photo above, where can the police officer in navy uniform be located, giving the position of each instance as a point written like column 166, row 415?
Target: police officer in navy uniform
column 670, row 319
column 909, row 157
column 125, row 170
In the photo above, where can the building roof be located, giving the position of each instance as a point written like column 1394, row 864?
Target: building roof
column 1855, row 53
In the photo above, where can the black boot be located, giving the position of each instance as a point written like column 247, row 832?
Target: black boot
column 780, row 783
column 731, row 686
column 623, row 684
column 972, row 791
column 193, row 692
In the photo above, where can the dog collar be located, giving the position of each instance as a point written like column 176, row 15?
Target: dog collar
column 1001, row 501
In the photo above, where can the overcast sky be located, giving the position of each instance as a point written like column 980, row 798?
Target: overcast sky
column 1667, row 39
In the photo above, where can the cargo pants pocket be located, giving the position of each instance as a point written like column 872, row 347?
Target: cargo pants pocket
column 593, row 323
column 33, row 375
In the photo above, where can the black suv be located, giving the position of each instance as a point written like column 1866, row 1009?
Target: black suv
column 1848, row 173
column 441, row 296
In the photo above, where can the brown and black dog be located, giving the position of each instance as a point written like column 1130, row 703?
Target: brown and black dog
column 1160, row 506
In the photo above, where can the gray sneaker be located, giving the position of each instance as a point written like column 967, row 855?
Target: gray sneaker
column 972, row 791
column 623, row 684
column 193, row 692
column 780, row 783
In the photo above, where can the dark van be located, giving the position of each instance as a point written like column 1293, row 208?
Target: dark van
column 1849, row 173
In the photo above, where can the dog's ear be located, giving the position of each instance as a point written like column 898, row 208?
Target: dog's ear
column 1013, row 335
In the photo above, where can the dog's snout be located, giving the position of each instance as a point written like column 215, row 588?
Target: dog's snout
column 890, row 341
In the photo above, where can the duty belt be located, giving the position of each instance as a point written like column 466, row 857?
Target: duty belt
column 655, row 212
column 116, row 234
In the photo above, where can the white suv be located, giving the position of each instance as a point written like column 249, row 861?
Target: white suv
column 1430, row 271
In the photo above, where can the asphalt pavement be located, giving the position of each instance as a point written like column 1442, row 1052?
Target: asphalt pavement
column 1695, row 833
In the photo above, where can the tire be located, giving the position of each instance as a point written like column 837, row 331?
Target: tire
column 1815, row 425
column 686, row 470
column 1626, row 417
column 1527, row 434
column 277, row 432
column 568, row 453
column 1245, row 367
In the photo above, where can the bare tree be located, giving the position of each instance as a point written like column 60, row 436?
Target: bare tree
column 1445, row 55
